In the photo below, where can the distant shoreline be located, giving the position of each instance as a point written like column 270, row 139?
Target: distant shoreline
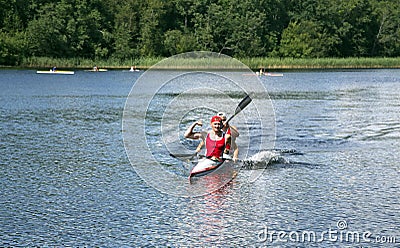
column 255, row 64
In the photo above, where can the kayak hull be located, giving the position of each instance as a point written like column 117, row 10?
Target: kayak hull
column 273, row 74
column 56, row 72
column 205, row 166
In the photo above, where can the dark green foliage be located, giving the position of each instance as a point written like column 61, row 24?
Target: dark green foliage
column 129, row 29
column 12, row 48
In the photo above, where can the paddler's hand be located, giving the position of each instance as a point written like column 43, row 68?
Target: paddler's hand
column 225, row 124
column 226, row 156
column 199, row 123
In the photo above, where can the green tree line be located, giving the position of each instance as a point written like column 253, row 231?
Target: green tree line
column 126, row 29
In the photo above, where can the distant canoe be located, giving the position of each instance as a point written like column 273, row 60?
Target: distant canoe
column 56, row 72
column 133, row 69
column 99, row 70
column 269, row 74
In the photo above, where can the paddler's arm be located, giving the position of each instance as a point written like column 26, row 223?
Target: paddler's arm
column 235, row 134
column 228, row 141
column 235, row 151
column 189, row 134
column 234, row 131
column 198, row 149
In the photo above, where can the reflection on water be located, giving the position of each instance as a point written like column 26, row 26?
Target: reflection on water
column 66, row 180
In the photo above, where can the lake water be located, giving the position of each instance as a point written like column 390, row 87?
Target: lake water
column 66, row 178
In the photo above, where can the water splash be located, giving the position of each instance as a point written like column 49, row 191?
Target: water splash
column 261, row 159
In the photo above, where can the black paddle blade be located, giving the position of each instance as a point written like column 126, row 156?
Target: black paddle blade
column 183, row 156
column 243, row 104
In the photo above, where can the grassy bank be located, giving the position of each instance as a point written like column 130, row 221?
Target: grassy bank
column 322, row 63
column 81, row 63
column 253, row 63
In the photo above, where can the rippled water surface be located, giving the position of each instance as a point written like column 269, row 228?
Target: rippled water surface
column 66, row 179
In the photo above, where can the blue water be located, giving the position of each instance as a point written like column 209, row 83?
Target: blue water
column 66, row 179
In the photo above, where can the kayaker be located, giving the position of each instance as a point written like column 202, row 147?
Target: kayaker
column 216, row 141
column 231, row 131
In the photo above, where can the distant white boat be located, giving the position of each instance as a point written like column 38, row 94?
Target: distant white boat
column 133, row 68
column 264, row 74
column 56, row 72
column 269, row 74
column 98, row 70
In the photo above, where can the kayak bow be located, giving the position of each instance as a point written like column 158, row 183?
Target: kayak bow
column 204, row 166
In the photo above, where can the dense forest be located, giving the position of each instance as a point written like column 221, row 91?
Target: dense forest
column 101, row 29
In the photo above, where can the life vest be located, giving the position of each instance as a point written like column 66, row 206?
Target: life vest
column 215, row 148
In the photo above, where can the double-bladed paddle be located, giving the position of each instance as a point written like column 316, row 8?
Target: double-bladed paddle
column 243, row 104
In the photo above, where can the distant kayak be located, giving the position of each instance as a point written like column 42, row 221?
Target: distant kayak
column 269, row 74
column 133, row 69
column 56, row 72
column 98, row 70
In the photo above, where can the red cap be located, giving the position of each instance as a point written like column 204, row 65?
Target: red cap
column 216, row 118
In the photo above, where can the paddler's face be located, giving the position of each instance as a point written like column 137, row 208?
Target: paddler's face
column 216, row 126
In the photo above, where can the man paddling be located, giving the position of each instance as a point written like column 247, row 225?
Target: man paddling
column 216, row 141
column 231, row 133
